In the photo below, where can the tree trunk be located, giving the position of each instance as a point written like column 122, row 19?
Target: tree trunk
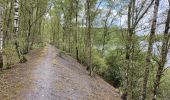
column 150, row 48
column 105, row 30
column 128, row 53
column 89, row 38
column 16, row 15
column 104, row 38
column 1, row 38
column 7, row 23
column 77, row 51
column 27, row 48
column 16, row 29
column 164, row 53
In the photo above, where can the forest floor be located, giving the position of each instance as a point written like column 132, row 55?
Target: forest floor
column 46, row 76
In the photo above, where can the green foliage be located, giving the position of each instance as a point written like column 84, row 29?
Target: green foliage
column 9, row 55
column 99, row 63
column 109, row 45
column 29, row 22
column 38, row 45
column 165, row 86
column 113, row 74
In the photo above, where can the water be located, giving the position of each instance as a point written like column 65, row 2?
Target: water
column 156, row 50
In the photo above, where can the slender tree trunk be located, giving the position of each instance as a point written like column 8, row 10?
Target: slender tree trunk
column 16, row 30
column 70, row 26
column 164, row 53
column 105, row 31
column 77, row 51
column 89, row 37
column 29, row 29
column 7, row 21
column 63, row 38
column 1, row 38
column 128, row 52
column 58, row 33
column 104, row 38
column 150, row 48
column 16, row 18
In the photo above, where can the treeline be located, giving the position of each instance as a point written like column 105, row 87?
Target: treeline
column 21, row 28
column 96, row 39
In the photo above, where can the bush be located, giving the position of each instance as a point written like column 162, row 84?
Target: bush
column 99, row 64
column 9, row 55
column 37, row 45
column 113, row 73
column 164, row 87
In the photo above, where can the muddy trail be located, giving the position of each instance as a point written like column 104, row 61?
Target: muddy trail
column 46, row 76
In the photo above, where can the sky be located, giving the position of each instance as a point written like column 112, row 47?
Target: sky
column 122, row 20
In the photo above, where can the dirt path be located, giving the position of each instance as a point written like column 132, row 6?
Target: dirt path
column 47, row 76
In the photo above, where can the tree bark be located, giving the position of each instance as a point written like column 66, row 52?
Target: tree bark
column 16, row 15
column 16, row 30
column 150, row 49
column 77, row 50
column 163, row 58
column 128, row 49
column 1, row 38
column 89, row 37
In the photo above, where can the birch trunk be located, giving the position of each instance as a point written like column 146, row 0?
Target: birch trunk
column 150, row 48
column 163, row 58
column 16, row 15
column 16, row 29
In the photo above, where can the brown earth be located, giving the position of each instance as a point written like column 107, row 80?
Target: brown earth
column 46, row 76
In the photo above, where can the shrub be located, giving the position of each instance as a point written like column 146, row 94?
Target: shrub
column 9, row 55
column 113, row 74
column 99, row 64
column 37, row 45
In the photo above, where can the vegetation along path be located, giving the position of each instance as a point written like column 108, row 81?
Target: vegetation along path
column 46, row 76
